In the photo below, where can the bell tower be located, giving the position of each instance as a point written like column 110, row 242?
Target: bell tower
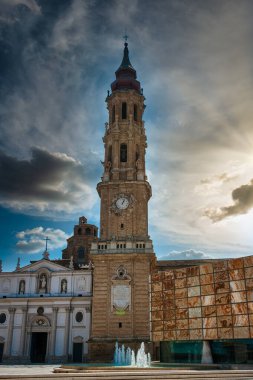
column 123, row 256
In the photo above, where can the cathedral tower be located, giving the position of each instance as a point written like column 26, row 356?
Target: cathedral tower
column 123, row 256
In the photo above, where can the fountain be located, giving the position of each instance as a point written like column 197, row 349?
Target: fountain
column 125, row 356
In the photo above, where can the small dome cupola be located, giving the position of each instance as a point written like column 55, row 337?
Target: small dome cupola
column 126, row 75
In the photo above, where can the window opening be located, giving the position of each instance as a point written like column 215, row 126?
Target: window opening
column 124, row 110
column 123, row 153
column 2, row 318
column 79, row 316
column 113, row 114
column 88, row 231
column 135, row 113
column 81, row 253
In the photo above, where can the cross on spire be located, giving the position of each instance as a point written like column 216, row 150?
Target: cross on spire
column 125, row 37
column 47, row 239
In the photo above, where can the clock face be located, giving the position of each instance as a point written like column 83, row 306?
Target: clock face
column 122, row 203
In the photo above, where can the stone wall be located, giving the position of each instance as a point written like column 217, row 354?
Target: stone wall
column 205, row 302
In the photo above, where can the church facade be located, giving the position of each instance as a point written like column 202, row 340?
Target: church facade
column 110, row 287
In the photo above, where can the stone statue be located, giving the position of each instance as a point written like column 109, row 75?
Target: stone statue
column 22, row 287
column 64, row 286
column 138, row 164
column 108, row 166
column 43, row 284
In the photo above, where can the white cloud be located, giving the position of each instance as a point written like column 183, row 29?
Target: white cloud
column 32, row 241
column 189, row 254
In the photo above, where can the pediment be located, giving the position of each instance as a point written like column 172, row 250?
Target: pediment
column 43, row 264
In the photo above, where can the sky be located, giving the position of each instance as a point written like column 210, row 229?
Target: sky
column 194, row 60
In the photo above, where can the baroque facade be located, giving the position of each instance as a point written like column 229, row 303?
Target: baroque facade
column 112, row 288
column 45, row 307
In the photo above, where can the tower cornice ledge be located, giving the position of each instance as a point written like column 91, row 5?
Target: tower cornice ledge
column 119, row 183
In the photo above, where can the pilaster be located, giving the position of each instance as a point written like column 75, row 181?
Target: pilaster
column 23, row 331
column 69, row 311
column 12, row 311
column 53, row 334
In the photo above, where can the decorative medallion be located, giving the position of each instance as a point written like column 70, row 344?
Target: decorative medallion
column 40, row 310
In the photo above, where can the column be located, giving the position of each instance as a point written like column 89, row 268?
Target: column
column 23, row 330
column 67, row 330
column 115, row 154
column 131, row 158
column 54, row 328
column 28, row 344
column 10, row 330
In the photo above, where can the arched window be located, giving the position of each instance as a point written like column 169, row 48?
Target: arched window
column 113, row 114
column 123, row 153
column 95, row 233
column 79, row 231
column 88, row 231
column 81, row 255
column 135, row 112
column 124, row 111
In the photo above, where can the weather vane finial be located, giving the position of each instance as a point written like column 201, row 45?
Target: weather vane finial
column 125, row 37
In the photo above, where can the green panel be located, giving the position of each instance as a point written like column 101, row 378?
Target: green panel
column 233, row 351
column 181, row 352
column 239, row 351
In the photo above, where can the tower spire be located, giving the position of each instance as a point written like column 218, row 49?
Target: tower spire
column 126, row 74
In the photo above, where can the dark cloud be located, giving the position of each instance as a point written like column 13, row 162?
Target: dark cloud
column 243, row 202
column 189, row 254
column 46, row 181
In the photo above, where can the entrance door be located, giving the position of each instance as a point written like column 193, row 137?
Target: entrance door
column 77, row 352
column 38, row 347
column 1, row 351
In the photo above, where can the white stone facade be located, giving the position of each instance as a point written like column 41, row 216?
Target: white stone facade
column 45, row 313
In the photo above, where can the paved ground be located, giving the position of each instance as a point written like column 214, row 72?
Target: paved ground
column 43, row 372
column 35, row 369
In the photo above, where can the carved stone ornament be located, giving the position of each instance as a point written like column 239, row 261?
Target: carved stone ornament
column 122, row 202
column 40, row 322
column 121, row 292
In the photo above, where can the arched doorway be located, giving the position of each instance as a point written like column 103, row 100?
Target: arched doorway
column 40, row 329
column 78, row 349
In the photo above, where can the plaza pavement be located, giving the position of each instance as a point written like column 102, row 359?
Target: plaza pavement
column 42, row 372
